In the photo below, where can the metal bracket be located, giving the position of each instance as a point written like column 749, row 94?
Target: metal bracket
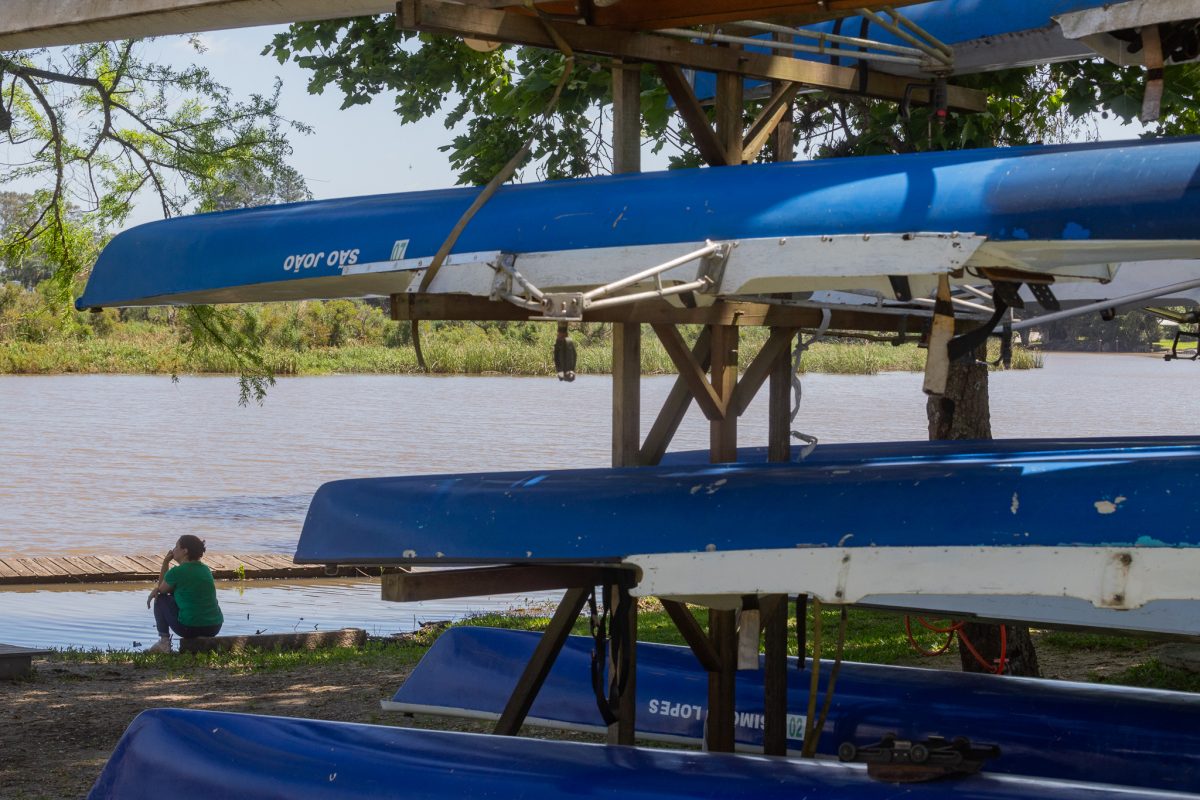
column 712, row 267
column 569, row 306
column 1044, row 295
column 502, row 280
column 563, row 307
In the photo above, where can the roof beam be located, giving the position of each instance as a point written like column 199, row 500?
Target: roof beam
column 435, row 16
column 47, row 23
column 644, row 15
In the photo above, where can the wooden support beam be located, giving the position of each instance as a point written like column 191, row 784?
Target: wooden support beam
column 627, row 393
column 438, row 16
column 693, row 115
column 627, row 118
column 627, row 336
column 768, row 120
column 780, row 341
column 431, row 306
column 775, row 639
column 779, row 403
column 749, row 634
column 722, row 439
column 693, row 634
column 722, row 632
column 691, row 372
column 412, row 587
column 675, row 407
column 730, row 107
column 622, row 665
column 539, row 665
column 783, row 136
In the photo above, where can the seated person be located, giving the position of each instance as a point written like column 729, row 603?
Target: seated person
column 185, row 599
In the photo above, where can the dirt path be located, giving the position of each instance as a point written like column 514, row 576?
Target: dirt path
column 58, row 728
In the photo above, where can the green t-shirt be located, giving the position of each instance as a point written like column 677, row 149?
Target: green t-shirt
column 195, row 594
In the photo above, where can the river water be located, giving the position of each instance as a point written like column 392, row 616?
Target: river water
column 124, row 464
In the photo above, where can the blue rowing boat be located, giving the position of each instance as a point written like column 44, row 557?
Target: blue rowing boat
column 1110, row 526
column 209, row 754
column 1056, row 730
column 838, row 223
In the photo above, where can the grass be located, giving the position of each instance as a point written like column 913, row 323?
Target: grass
column 876, row 637
column 447, row 351
column 398, row 653
column 1153, row 675
column 1067, row 640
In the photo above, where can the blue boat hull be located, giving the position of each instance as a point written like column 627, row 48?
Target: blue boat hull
column 898, row 495
column 1100, row 534
column 210, row 755
column 1050, row 729
column 1037, row 208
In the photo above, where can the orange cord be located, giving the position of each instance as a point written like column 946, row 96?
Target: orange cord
column 956, row 629
column 917, row 646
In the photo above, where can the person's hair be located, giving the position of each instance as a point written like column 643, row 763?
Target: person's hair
column 193, row 544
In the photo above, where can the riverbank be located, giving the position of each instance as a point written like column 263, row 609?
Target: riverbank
column 457, row 351
column 58, row 727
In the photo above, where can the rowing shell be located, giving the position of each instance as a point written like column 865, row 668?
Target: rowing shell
column 820, row 225
column 1088, row 534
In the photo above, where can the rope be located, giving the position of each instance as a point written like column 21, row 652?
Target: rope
column 797, row 388
column 814, row 724
column 501, row 177
column 807, row 751
column 955, row 629
column 597, row 623
column 833, row 676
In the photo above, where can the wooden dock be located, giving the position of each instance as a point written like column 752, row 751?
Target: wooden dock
column 105, row 569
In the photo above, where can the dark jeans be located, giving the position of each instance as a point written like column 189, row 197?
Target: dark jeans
column 166, row 617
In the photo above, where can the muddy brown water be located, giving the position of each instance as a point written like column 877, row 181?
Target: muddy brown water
column 124, row 464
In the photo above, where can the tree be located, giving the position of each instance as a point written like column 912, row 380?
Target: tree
column 92, row 127
column 26, row 266
column 248, row 185
column 499, row 96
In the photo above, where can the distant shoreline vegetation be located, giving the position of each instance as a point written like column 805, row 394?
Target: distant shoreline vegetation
column 356, row 337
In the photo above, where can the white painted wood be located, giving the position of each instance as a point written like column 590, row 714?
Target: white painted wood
column 1082, row 258
column 1130, row 14
column 852, row 263
column 1128, row 279
column 45, row 23
column 1106, row 577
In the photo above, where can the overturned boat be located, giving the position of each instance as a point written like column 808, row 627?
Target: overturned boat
column 1079, row 533
column 887, row 224
column 1056, row 730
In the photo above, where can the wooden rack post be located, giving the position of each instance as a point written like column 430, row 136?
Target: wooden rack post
column 627, row 411
column 779, row 449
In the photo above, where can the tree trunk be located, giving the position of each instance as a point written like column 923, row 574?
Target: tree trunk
column 963, row 413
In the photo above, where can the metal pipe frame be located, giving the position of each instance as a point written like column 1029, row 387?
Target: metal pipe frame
column 601, row 291
column 854, row 41
column 790, row 47
column 1100, row 305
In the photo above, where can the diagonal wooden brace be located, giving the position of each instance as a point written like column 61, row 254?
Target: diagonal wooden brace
column 690, row 370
